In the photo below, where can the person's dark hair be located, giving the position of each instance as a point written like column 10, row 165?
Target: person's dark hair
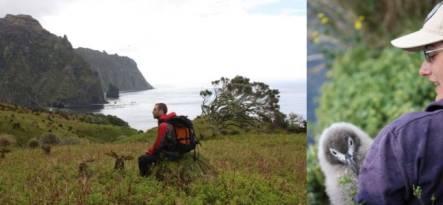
column 163, row 107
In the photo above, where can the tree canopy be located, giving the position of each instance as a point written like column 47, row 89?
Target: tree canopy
column 238, row 102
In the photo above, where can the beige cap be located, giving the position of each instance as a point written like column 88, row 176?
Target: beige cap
column 431, row 32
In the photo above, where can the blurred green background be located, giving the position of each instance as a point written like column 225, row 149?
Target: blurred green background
column 355, row 75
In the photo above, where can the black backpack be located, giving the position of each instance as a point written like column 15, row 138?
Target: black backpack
column 184, row 140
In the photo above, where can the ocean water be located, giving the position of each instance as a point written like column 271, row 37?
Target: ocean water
column 136, row 107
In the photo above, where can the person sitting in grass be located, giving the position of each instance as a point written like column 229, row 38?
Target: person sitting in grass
column 165, row 129
column 404, row 164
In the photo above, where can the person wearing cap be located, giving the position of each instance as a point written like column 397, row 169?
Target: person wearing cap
column 405, row 164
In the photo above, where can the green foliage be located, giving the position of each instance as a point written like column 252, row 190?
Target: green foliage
column 373, row 22
column 316, row 188
column 33, row 143
column 204, row 129
column 417, row 192
column 239, row 188
column 296, row 123
column 7, row 140
column 242, row 104
column 371, row 88
column 253, row 169
column 72, row 140
column 184, row 171
column 50, row 138
column 114, row 120
column 38, row 122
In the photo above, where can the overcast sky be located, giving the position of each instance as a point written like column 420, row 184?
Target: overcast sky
column 184, row 42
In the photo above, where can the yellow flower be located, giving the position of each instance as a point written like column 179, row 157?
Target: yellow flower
column 315, row 37
column 359, row 23
column 316, row 40
column 324, row 20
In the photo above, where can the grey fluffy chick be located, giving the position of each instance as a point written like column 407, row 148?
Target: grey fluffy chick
column 342, row 149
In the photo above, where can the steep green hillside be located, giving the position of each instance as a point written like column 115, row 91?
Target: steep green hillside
column 38, row 68
column 24, row 124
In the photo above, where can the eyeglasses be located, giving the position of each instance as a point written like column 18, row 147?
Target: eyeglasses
column 433, row 11
column 429, row 54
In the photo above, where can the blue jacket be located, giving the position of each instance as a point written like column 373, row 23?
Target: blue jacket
column 406, row 153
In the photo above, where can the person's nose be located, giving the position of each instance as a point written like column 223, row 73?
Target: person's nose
column 425, row 69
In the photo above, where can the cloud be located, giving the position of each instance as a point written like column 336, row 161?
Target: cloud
column 186, row 42
column 31, row 7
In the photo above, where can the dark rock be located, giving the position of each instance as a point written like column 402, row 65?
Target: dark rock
column 112, row 92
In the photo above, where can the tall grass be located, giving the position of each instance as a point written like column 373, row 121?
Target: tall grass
column 253, row 169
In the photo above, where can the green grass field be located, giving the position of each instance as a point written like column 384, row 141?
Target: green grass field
column 252, row 168
column 261, row 169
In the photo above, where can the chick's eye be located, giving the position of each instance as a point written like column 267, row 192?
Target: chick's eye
column 333, row 152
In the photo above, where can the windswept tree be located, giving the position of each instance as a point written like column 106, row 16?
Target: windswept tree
column 242, row 103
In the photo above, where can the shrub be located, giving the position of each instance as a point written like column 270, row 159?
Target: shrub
column 33, row 143
column 7, row 140
column 242, row 103
column 50, row 138
column 71, row 140
column 114, row 120
column 296, row 123
column 370, row 88
column 204, row 130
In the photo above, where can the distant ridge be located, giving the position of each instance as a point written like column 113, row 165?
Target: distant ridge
column 120, row 71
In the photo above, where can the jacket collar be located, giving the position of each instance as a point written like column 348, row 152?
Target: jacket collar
column 164, row 118
column 436, row 105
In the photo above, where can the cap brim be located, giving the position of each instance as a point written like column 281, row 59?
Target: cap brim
column 416, row 41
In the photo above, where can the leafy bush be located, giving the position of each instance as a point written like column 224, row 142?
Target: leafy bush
column 203, row 129
column 7, row 140
column 371, row 88
column 72, row 140
column 114, row 120
column 50, row 138
column 33, row 143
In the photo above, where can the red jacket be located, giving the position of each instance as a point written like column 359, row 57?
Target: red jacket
column 161, row 133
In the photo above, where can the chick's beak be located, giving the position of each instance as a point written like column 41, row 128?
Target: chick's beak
column 351, row 162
